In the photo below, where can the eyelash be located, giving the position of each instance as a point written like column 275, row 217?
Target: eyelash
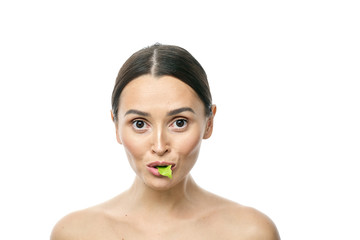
column 134, row 122
column 145, row 124
column 181, row 127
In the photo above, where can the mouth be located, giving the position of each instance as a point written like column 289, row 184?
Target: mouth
column 153, row 168
column 161, row 164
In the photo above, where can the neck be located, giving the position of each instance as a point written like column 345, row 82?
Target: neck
column 176, row 199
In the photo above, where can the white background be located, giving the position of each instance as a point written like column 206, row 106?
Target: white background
column 284, row 75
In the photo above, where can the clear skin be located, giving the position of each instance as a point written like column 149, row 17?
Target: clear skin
column 163, row 120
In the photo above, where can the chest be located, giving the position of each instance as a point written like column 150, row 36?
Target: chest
column 200, row 229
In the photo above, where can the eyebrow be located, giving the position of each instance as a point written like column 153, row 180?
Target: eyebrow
column 171, row 113
column 133, row 111
column 180, row 110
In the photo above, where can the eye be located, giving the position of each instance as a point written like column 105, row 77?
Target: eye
column 139, row 125
column 179, row 124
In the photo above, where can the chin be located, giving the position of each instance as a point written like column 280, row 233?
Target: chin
column 161, row 183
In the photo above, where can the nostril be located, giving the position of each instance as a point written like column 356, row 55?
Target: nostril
column 160, row 144
column 160, row 151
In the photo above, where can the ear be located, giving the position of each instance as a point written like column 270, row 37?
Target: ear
column 116, row 128
column 210, row 123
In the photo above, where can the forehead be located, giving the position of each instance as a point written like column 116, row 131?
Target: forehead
column 148, row 92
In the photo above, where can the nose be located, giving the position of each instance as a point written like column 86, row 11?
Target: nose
column 160, row 145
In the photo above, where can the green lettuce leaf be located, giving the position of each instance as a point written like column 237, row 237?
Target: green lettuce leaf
column 165, row 171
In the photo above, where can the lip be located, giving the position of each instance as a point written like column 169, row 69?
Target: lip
column 152, row 167
column 157, row 163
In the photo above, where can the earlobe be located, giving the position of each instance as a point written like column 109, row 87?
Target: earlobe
column 118, row 138
column 116, row 128
column 210, row 123
column 112, row 115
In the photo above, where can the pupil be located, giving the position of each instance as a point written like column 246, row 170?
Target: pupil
column 180, row 123
column 139, row 124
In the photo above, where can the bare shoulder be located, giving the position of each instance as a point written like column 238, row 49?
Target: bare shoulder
column 248, row 223
column 236, row 221
column 84, row 224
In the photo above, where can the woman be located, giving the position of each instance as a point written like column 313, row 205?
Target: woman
column 162, row 109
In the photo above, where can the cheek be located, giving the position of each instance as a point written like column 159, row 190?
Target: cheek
column 135, row 147
column 189, row 144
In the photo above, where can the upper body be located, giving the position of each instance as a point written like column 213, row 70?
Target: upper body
column 162, row 111
column 204, row 216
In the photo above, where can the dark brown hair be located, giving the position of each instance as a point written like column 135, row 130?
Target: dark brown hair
column 160, row 60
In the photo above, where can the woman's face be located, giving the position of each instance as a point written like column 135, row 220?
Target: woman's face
column 161, row 121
